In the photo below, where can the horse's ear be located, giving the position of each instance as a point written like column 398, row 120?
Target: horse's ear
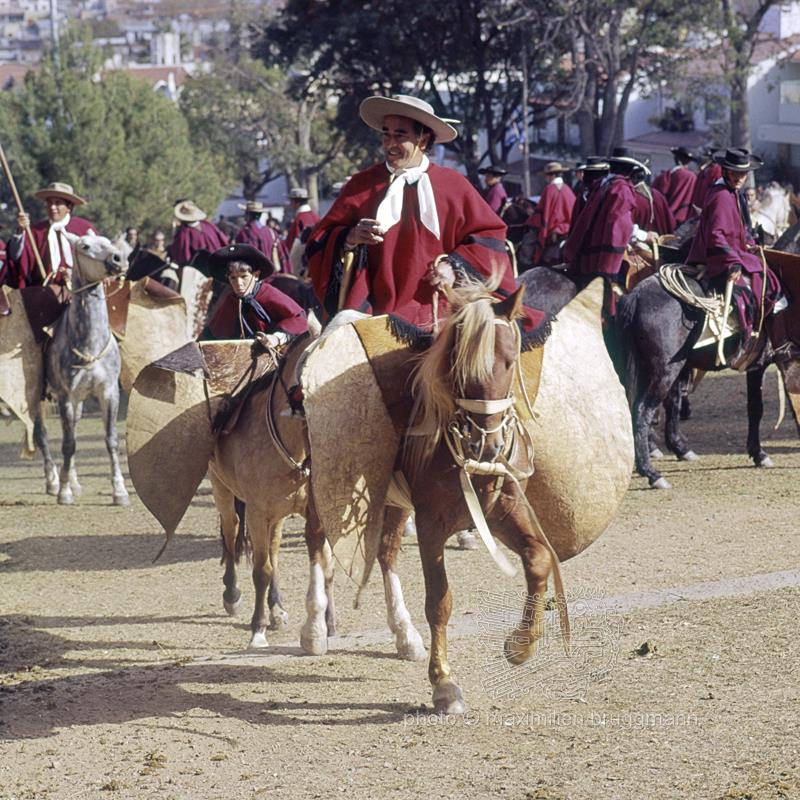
column 511, row 307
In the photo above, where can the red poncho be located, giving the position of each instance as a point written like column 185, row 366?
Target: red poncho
column 280, row 313
column 24, row 271
column 653, row 213
column 679, row 193
column 393, row 275
column 553, row 212
column 302, row 220
column 262, row 237
column 188, row 240
column 705, row 180
column 603, row 229
column 496, row 197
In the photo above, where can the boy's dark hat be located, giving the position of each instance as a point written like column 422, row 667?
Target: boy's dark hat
column 739, row 160
column 216, row 264
column 682, row 153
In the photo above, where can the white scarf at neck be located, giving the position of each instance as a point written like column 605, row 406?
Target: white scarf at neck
column 53, row 235
column 391, row 207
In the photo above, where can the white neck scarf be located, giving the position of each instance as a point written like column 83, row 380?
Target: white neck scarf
column 53, row 235
column 391, row 206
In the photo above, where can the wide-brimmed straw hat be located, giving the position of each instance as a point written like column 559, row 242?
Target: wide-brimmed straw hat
column 554, row 168
column 739, row 160
column 374, row 109
column 298, row 193
column 62, row 190
column 216, row 264
column 493, row 169
column 188, row 211
column 252, row 207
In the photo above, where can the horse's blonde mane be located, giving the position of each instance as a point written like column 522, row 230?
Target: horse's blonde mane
column 461, row 353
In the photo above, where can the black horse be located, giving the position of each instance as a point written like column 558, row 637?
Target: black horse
column 657, row 334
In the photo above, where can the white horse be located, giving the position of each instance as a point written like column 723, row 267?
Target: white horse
column 773, row 211
column 83, row 360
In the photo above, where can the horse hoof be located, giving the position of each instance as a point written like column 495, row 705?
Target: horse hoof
column 766, row 463
column 313, row 642
column 661, row 483
column 410, row 647
column 65, row 499
column 121, row 500
column 278, row 619
column 689, row 455
column 518, row 648
column 467, row 540
column 258, row 641
column 53, row 488
column 233, row 608
column 447, row 699
column 656, row 453
column 77, row 489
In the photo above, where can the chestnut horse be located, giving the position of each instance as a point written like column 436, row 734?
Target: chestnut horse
column 469, row 448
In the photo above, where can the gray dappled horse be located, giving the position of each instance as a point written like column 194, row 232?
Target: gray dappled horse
column 82, row 361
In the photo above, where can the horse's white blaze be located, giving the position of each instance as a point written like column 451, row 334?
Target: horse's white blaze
column 407, row 639
column 314, row 634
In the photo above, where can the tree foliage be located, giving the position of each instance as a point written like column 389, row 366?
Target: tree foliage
column 123, row 147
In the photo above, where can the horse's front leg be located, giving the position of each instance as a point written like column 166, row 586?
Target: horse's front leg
column 447, row 697
column 408, row 642
column 517, row 532
column 755, row 412
column 40, row 439
column 278, row 617
column 318, row 624
column 675, row 440
column 109, row 406
column 68, row 475
column 261, row 530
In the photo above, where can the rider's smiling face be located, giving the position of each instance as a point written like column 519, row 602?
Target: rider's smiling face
column 57, row 208
column 402, row 145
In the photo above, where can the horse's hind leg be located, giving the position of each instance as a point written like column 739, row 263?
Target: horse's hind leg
column 316, row 628
column 262, row 531
column 755, row 411
column 407, row 640
column 447, row 697
column 109, row 406
column 229, row 524
column 278, row 617
column 516, row 532
column 674, row 439
column 40, row 439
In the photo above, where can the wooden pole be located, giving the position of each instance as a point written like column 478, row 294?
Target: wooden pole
column 26, row 228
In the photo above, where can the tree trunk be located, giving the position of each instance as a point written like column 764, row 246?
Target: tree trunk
column 740, row 110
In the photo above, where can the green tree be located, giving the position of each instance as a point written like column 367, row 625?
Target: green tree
column 122, row 146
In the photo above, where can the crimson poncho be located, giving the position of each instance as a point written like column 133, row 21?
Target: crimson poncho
column 302, row 220
column 24, row 271
column 679, row 191
column 496, row 197
column 392, row 277
column 705, row 180
column 653, row 213
column 282, row 314
column 188, row 240
column 262, row 237
column 553, row 213
column 601, row 232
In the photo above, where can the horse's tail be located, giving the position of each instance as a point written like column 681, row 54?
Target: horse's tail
column 626, row 320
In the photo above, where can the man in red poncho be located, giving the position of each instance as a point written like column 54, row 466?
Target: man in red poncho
column 494, row 193
column 709, row 173
column 678, row 185
column 652, row 209
column 251, row 307
column 261, row 236
column 413, row 226
column 552, row 215
column 48, row 236
column 194, row 233
column 305, row 218
column 604, row 229
column 724, row 246
column 592, row 171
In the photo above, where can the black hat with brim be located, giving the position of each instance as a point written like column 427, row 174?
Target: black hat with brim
column 682, row 153
column 493, row 170
column 216, row 264
column 739, row 160
column 593, row 164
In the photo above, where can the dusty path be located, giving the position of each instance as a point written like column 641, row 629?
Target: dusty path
column 120, row 678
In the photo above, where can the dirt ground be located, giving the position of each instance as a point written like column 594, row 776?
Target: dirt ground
column 124, row 678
